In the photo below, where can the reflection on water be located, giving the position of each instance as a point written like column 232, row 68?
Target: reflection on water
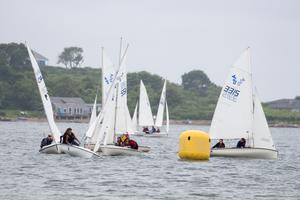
column 27, row 174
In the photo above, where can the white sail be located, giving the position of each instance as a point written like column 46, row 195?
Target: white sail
column 106, row 132
column 129, row 126
column 233, row 115
column 94, row 113
column 123, row 120
column 161, row 107
column 261, row 133
column 145, row 113
column 167, row 118
column 109, row 114
column 44, row 96
column 108, row 75
column 134, row 118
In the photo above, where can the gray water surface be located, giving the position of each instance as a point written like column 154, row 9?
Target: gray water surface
column 27, row 174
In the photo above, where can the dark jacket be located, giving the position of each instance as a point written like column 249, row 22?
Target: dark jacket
column 219, row 145
column 45, row 141
column 241, row 144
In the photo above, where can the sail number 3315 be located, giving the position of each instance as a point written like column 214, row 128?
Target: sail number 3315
column 230, row 93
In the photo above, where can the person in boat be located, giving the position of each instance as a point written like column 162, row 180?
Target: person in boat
column 146, row 130
column 70, row 138
column 133, row 144
column 123, row 140
column 220, row 144
column 46, row 141
column 241, row 143
column 157, row 130
column 74, row 140
column 153, row 130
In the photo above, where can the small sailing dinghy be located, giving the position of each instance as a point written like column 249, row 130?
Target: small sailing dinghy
column 239, row 114
column 160, row 116
column 55, row 147
column 106, row 141
column 145, row 117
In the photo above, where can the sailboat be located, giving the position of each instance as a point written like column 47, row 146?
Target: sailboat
column 160, row 115
column 55, row 147
column 107, row 137
column 239, row 114
column 145, row 117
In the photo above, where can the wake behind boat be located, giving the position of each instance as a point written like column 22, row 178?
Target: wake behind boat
column 239, row 114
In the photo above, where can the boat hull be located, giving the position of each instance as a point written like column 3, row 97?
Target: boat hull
column 112, row 150
column 78, row 151
column 54, row 148
column 161, row 134
column 245, row 153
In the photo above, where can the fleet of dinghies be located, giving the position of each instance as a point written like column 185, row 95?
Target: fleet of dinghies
column 144, row 120
column 238, row 114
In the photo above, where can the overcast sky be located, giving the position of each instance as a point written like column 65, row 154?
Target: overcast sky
column 168, row 37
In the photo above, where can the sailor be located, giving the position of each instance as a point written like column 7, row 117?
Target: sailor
column 241, row 143
column 220, row 144
column 133, row 144
column 146, row 130
column 46, row 141
column 67, row 136
column 73, row 139
column 70, row 138
column 153, row 130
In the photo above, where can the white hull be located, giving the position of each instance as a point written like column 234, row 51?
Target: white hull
column 54, row 148
column 139, row 133
column 112, row 150
column 78, row 151
column 245, row 153
column 161, row 134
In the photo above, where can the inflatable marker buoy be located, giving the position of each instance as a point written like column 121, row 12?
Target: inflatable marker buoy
column 194, row 145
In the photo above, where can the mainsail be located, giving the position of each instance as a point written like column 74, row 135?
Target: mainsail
column 233, row 117
column 44, row 96
column 145, row 113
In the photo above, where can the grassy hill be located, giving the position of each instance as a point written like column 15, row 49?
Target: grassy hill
column 194, row 99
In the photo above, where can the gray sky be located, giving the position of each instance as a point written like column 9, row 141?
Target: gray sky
column 168, row 37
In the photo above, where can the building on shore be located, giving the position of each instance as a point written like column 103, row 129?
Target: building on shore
column 71, row 108
column 40, row 59
column 285, row 104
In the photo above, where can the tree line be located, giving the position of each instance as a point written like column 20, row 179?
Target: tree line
column 194, row 99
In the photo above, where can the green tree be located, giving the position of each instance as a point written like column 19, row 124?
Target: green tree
column 71, row 57
column 196, row 81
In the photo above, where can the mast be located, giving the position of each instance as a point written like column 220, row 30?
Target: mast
column 116, row 107
column 102, row 63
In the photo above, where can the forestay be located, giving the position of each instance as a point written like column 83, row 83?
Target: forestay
column 44, row 96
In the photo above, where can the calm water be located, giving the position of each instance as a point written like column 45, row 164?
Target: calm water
column 27, row 174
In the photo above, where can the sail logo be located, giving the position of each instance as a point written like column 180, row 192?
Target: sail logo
column 109, row 79
column 123, row 89
column 39, row 78
column 236, row 80
column 230, row 93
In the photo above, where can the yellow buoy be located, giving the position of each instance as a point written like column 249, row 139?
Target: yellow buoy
column 194, row 145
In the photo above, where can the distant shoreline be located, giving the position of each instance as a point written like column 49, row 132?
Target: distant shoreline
column 173, row 122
